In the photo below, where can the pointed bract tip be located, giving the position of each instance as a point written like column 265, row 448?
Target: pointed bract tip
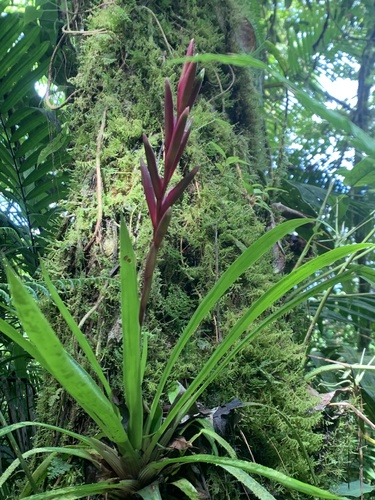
column 190, row 50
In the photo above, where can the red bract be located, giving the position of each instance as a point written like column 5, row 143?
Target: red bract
column 177, row 131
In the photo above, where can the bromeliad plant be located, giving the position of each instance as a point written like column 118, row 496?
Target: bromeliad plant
column 138, row 457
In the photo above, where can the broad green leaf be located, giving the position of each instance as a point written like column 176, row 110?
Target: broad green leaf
column 49, row 198
column 43, row 170
column 46, row 187
column 27, row 125
column 10, row 32
column 22, row 87
column 131, row 331
column 13, row 427
column 14, row 56
column 22, row 67
column 28, row 163
column 38, row 475
column 18, row 115
column 368, row 274
column 354, row 489
column 17, row 337
column 235, row 59
column 6, row 157
column 33, row 141
column 298, row 299
column 144, row 355
column 3, row 5
column 360, row 139
column 31, row 14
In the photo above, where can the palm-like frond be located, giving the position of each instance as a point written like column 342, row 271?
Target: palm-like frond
column 31, row 177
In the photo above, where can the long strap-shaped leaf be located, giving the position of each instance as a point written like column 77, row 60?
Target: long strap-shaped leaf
column 75, row 380
column 249, row 467
column 239, row 266
column 269, row 298
column 86, row 490
column 285, row 308
column 131, row 332
column 81, row 339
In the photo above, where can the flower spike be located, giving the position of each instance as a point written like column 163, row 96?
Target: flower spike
column 177, row 131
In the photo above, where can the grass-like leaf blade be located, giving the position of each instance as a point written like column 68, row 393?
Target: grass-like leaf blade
column 131, row 332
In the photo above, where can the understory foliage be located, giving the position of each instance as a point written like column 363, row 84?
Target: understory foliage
column 119, row 82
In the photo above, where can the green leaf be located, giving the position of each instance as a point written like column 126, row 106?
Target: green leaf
column 13, row 427
column 33, row 141
column 47, row 187
column 17, row 337
column 224, row 353
column 363, row 141
column 38, row 475
column 31, row 14
column 360, row 139
column 131, row 331
column 85, row 490
column 354, row 489
column 210, row 433
column 362, row 174
column 57, row 143
column 3, row 5
column 150, row 492
column 81, row 338
column 15, row 53
column 55, row 359
column 22, row 87
column 248, row 467
column 25, row 126
column 22, row 60
column 187, row 488
column 235, row 59
column 77, row 452
column 257, row 489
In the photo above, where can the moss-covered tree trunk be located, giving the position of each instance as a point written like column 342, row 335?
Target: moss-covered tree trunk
column 123, row 61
